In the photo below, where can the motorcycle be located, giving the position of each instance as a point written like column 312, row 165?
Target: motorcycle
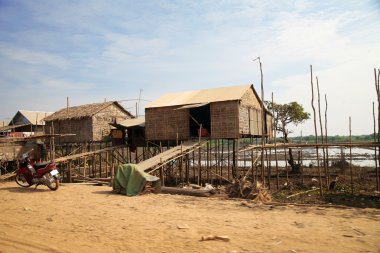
column 30, row 173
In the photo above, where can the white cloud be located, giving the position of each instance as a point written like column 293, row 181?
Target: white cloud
column 32, row 57
column 60, row 85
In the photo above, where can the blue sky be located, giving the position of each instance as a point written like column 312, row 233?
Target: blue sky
column 94, row 50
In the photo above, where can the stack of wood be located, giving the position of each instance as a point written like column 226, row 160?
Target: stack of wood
column 248, row 190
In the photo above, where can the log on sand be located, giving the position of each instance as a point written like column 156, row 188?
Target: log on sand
column 186, row 191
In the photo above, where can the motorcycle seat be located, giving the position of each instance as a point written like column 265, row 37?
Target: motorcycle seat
column 39, row 166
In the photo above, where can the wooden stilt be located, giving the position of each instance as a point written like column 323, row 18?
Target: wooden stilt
column 208, row 161
column 316, row 133
column 221, row 164
column 199, row 166
column 351, row 175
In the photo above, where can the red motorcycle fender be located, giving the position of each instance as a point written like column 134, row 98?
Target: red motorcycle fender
column 26, row 172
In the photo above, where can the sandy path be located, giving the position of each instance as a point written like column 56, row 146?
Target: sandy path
column 86, row 218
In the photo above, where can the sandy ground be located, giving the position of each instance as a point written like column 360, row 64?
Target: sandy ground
column 87, row 218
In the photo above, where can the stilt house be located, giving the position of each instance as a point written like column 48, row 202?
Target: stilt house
column 26, row 123
column 90, row 122
column 223, row 113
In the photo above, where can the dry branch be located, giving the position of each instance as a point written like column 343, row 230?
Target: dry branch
column 299, row 193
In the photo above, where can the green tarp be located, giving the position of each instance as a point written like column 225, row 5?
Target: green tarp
column 130, row 179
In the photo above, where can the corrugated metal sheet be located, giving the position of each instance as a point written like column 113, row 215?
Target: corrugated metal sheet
column 200, row 96
column 192, row 106
column 32, row 117
column 132, row 122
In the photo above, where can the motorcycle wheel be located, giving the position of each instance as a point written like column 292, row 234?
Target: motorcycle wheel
column 52, row 182
column 21, row 180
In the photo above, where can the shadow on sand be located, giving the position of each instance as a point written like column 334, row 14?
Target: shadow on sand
column 30, row 189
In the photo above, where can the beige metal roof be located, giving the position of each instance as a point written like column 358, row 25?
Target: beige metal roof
column 191, row 106
column 34, row 117
column 132, row 122
column 201, row 96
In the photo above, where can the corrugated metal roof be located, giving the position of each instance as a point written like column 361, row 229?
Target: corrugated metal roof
column 201, row 96
column 132, row 122
column 33, row 117
column 192, row 106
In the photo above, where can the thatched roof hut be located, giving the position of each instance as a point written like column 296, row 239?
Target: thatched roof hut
column 227, row 112
column 88, row 122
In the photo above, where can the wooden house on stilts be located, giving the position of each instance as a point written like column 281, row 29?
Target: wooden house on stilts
column 221, row 113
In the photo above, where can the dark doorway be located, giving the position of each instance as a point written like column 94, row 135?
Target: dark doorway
column 200, row 115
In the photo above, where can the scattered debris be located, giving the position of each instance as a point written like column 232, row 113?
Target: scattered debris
column 299, row 193
column 183, row 226
column 223, row 238
column 299, row 224
column 358, row 231
column 247, row 190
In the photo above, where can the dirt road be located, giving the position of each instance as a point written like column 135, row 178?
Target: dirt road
column 87, row 218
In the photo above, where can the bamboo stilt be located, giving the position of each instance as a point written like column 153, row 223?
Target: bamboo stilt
column 228, row 159
column 351, row 176
column 275, row 147
column 377, row 86
column 326, row 141
column 199, row 166
column 221, row 164
column 322, row 139
column 315, row 130
column 374, row 137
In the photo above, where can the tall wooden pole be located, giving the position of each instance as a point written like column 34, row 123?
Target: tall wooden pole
column 374, row 139
column 322, row 139
column 315, row 130
column 378, row 102
column 262, row 123
column 377, row 85
column 67, row 107
column 327, row 149
column 275, row 148
column 351, row 176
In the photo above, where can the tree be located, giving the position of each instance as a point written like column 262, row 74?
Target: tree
column 285, row 114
